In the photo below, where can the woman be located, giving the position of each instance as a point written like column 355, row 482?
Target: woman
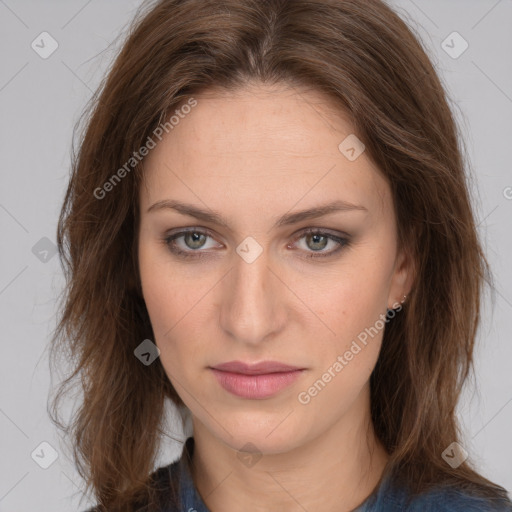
column 268, row 223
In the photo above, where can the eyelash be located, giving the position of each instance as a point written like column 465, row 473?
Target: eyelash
column 169, row 242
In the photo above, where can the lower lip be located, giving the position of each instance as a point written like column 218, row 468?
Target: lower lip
column 256, row 386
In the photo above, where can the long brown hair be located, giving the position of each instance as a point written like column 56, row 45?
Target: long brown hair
column 366, row 58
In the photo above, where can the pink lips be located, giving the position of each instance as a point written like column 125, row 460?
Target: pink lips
column 255, row 381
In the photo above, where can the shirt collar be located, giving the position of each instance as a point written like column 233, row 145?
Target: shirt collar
column 190, row 498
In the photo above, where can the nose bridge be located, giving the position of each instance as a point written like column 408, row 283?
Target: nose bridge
column 250, row 304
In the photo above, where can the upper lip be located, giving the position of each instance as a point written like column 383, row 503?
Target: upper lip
column 257, row 368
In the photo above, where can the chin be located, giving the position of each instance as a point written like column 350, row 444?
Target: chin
column 262, row 431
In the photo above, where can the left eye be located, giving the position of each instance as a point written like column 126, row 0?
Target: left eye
column 316, row 241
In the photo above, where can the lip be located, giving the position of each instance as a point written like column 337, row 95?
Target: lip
column 264, row 367
column 256, row 381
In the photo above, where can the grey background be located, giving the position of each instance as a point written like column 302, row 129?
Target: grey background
column 40, row 101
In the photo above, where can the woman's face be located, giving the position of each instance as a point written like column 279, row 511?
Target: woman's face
column 251, row 284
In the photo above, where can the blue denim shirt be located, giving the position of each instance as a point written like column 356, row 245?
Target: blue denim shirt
column 384, row 499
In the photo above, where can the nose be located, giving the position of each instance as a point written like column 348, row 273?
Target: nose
column 253, row 301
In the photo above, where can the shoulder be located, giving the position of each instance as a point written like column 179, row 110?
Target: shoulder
column 393, row 496
column 165, row 480
column 454, row 500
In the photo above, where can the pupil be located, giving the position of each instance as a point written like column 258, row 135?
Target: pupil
column 316, row 238
column 195, row 237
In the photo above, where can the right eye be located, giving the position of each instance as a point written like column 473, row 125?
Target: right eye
column 193, row 240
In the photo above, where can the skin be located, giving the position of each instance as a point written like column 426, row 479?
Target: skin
column 253, row 155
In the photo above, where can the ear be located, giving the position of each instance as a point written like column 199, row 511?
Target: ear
column 403, row 278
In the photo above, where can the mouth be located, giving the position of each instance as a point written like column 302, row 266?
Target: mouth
column 256, row 381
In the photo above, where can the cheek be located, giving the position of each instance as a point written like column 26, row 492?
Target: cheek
column 160, row 290
column 159, row 295
column 352, row 304
column 345, row 358
column 349, row 301
column 175, row 306
column 165, row 291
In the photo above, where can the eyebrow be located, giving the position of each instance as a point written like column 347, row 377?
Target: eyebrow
column 285, row 220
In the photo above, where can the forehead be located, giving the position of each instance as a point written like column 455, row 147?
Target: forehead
column 263, row 145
